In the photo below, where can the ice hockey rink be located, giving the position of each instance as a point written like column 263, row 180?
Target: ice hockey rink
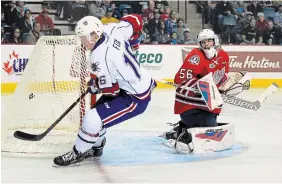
column 258, row 131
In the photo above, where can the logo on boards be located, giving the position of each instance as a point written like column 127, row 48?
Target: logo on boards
column 14, row 64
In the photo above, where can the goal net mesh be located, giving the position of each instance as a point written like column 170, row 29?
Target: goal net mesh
column 55, row 76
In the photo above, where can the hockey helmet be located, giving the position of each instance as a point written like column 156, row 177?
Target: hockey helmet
column 207, row 34
column 87, row 25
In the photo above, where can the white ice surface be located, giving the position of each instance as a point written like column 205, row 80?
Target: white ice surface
column 260, row 131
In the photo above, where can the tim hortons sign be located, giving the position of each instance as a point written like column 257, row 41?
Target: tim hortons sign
column 250, row 61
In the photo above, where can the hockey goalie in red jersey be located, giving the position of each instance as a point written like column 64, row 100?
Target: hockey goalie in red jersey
column 199, row 63
column 202, row 75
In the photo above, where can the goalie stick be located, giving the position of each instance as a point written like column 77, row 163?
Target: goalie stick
column 239, row 102
column 33, row 137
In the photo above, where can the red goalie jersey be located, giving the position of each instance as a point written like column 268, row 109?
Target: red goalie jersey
column 196, row 66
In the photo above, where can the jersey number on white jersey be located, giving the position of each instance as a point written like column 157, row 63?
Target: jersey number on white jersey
column 129, row 58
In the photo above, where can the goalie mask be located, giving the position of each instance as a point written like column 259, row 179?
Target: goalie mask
column 209, row 43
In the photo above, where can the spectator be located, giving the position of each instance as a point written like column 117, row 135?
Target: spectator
column 79, row 10
column 166, row 13
column 251, row 34
column 266, row 3
column 261, row 23
column 207, row 12
column 240, row 8
column 277, row 18
column 18, row 11
column 145, row 22
column 45, row 21
column 272, row 34
column 34, row 34
column 162, row 37
column 153, row 25
column 149, row 12
column 97, row 9
column 26, row 23
column 59, row 7
column 228, row 32
column 145, row 37
column 160, row 4
column 15, row 37
column 187, row 38
column 173, row 40
column 124, row 13
column 116, row 13
column 180, row 29
column 255, row 7
column 136, row 6
column 222, row 8
column 67, row 13
column 171, row 23
column 8, row 12
column 3, row 22
column 243, row 23
column 107, row 3
column 2, row 34
column 109, row 18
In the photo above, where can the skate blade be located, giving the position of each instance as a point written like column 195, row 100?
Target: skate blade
column 92, row 159
column 75, row 164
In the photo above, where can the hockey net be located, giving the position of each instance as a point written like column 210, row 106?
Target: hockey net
column 55, row 76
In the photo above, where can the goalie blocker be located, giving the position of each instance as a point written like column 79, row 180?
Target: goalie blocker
column 202, row 140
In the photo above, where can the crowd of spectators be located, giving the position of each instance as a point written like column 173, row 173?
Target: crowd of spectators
column 161, row 24
column 246, row 22
column 18, row 26
column 236, row 22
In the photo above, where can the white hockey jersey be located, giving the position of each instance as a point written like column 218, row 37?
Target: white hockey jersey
column 115, row 65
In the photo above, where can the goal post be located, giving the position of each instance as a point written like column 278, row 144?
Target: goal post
column 55, row 76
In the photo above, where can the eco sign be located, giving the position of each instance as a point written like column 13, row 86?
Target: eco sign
column 150, row 61
column 149, row 58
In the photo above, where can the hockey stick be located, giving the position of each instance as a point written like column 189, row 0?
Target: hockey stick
column 239, row 102
column 33, row 137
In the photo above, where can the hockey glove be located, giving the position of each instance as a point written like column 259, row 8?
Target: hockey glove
column 134, row 42
column 236, row 82
column 93, row 86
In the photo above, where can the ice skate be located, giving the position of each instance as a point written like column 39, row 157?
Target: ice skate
column 173, row 133
column 95, row 151
column 71, row 157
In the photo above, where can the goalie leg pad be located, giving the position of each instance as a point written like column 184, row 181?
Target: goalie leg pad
column 202, row 140
column 88, row 134
column 216, row 138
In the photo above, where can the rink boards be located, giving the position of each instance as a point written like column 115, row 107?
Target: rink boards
column 264, row 63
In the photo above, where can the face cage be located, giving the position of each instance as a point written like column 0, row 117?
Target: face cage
column 200, row 43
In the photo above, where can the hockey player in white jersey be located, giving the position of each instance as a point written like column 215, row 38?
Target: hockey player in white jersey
column 125, row 86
